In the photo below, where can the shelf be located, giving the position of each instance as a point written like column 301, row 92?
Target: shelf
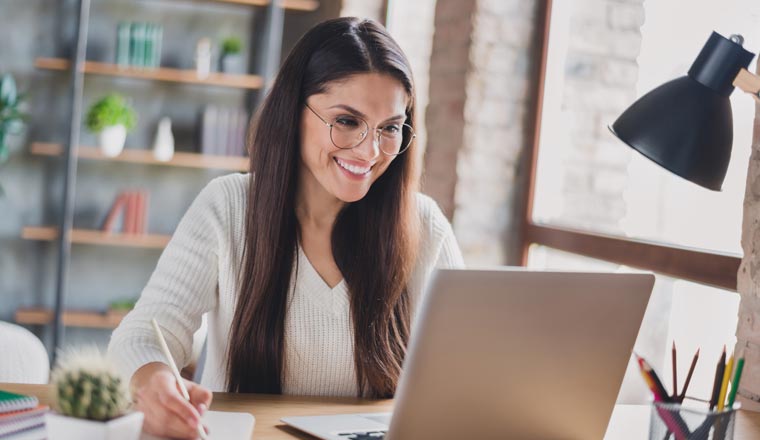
column 294, row 5
column 129, row 155
column 156, row 73
column 71, row 318
column 95, row 237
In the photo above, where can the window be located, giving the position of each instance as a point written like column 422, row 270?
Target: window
column 598, row 205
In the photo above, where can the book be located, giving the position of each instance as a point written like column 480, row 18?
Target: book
column 122, row 44
column 148, row 45
column 15, row 402
column 130, row 218
column 17, row 421
column 222, row 132
column 116, row 211
column 208, row 129
column 137, row 44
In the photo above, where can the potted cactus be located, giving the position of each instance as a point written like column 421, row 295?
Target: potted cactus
column 111, row 117
column 91, row 400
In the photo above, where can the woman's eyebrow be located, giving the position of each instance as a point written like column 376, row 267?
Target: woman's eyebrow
column 356, row 112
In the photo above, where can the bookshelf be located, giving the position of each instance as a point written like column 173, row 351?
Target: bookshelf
column 156, row 73
column 71, row 318
column 96, row 237
column 293, row 5
column 145, row 157
column 265, row 39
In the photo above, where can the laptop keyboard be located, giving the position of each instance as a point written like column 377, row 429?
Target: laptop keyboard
column 369, row 435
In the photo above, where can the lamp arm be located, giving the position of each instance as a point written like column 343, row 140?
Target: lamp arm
column 748, row 82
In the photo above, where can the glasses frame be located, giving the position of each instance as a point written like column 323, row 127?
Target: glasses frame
column 375, row 130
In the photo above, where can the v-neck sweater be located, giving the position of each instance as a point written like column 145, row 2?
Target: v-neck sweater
column 199, row 273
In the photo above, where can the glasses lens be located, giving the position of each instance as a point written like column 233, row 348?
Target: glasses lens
column 396, row 138
column 348, row 131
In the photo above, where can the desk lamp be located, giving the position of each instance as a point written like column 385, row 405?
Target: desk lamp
column 685, row 125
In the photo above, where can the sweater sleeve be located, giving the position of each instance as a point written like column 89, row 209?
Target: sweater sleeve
column 449, row 254
column 181, row 289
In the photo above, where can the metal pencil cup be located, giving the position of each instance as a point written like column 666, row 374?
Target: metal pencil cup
column 676, row 422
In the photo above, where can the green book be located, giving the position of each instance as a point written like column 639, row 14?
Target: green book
column 10, row 402
column 137, row 46
column 122, row 44
column 147, row 60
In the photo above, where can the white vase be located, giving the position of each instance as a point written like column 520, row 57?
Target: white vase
column 111, row 140
column 127, row 427
column 163, row 144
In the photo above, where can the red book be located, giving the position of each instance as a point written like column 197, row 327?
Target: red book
column 144, row 215
column 117, row 209
column 130, row 216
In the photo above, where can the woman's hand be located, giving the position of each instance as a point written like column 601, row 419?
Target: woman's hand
column 167, row 414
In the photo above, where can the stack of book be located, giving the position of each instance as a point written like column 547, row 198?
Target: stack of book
column 131, row 207
column 138, row 44
column 223, row 131
column 19, row 413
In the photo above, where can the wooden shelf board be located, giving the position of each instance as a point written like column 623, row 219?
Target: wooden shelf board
column 130, row 155
column 71, row 318
column 95, row 237
column 295, row 5
column 156, row 73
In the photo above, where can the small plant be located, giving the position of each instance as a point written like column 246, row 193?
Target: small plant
column 87, row 386
column 11, row 117
column 231, row 46
column 109, row 111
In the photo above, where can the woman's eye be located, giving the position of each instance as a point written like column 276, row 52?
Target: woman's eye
column 346, row 122
column 391, row 129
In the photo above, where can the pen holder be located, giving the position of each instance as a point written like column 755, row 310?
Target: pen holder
column 676, row 422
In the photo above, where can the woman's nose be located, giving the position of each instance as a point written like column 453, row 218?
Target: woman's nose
column 369, row 148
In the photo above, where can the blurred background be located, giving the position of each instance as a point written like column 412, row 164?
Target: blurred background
column 515, row 99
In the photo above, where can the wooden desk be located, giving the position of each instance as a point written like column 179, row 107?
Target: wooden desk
column 629, row 422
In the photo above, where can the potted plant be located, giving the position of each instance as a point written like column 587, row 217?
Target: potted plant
column 231, row 60
column 91, row 400
column 11, row 118
column 111, row 117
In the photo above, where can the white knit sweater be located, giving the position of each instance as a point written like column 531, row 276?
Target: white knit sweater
column 198, row 272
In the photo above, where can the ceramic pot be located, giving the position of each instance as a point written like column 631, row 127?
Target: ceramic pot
column 112, row 139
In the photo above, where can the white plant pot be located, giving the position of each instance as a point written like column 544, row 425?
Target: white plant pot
column 112, row 139
column 127, row 427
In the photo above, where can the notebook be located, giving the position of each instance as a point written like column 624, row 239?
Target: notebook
column 15, row 402
column 223, row 425
column 17, row 421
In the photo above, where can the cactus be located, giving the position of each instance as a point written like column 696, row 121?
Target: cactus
column 87, row 386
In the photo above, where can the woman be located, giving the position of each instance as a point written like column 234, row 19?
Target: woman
column 309, row 267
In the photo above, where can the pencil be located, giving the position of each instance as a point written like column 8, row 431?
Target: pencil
column 675, row 373
column 653, row 381
column 175, row 371
column 688, row 376
column 735, row 382
column 724, row 384
column 719, row 370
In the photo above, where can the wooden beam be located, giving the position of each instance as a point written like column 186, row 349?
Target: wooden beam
column 713, row 269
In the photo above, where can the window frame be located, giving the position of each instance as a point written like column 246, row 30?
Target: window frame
column 698, row 265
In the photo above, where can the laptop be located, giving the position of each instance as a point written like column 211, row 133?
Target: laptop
column 508, row 353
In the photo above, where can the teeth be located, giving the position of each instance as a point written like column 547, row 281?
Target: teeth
column 352, row 168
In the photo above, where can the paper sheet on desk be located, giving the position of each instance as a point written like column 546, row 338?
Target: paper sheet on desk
column 223, row 425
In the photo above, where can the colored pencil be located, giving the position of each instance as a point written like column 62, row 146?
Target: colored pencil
column 724, row 383
column 719, row 370
column 688, row 377
column 735, row 382
column 675, row 373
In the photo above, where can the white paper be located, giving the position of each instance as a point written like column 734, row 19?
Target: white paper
column 222, row 425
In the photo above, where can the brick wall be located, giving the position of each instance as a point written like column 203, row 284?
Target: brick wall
column 481, row 72
column 748, row 329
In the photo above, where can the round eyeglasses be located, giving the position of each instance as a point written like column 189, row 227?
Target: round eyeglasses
column 348, row 131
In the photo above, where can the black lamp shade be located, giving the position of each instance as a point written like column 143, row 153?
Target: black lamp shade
column 686, row 125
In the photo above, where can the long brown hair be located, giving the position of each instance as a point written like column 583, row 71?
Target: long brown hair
column 374, row 240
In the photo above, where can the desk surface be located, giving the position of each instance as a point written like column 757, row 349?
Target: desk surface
column 629, row 422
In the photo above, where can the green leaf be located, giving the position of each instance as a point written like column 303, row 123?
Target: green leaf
column 110, row 110
column 8, row 94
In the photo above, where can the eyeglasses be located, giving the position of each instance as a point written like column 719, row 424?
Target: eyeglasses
column 348, row 131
